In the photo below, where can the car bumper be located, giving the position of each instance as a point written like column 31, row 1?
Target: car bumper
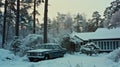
column 36, row 57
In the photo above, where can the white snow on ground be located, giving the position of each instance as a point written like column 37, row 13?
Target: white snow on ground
column 115, row 55
column 6, row 55
column 76, row 60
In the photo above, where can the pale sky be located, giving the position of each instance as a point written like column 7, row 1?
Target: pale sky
column 77, row 6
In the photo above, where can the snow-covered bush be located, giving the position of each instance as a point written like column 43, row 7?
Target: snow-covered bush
column 32, row 41
column 89, row 49
column 15, row 45
column 115, row 55
column 69, row 45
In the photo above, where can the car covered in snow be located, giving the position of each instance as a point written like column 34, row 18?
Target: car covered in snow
column 46, row 51
column 89, row 49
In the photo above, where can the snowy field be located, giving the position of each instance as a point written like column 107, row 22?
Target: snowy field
column 76, row 60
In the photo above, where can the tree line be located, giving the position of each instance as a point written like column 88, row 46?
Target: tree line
column 16, row 20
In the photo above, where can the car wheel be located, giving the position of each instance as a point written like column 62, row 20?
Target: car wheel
column 46, row 57
column 62, row 55
column 31, row 59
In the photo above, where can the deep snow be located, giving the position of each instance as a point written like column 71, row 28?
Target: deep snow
column 75, row 60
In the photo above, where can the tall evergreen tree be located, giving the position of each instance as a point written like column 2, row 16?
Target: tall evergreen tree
column 34, row 25
column 45, row 20
column 17, row 18
column 35, row 12
column 13, row 25
column 80, row 23
column 4, row 24
column 96, row 19
column 95, row 22
column 110, row 13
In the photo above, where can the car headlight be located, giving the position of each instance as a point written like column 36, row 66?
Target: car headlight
column 39, row 54
column 28, row 54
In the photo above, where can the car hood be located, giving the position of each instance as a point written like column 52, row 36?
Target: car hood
column 39, row 50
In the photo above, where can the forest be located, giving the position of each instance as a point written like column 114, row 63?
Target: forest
column 21, row 30
column 19, row 19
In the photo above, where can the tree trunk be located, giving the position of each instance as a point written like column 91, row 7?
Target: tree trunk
column 4, row 24
column 45, row 20
column 34, row 15
column 17, row 18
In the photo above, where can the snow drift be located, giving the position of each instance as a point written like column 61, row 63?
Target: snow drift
column 115, row 55
column 6, row 55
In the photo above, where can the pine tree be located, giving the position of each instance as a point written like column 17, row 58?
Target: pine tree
column 17, row 18
column 80, row 23
column 34, row 25
column 110, row 12
column 13, row 23
column 35, row 12
column 4, row 24
column 45, row 20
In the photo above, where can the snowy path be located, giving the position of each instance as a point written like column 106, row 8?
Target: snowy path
column 67, row 61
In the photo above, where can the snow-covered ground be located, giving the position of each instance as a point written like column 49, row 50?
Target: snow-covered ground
column 76, row 60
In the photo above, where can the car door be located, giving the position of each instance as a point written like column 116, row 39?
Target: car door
column 54, row 51
column 58, row 52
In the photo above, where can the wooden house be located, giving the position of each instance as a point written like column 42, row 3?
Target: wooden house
column 106, row 39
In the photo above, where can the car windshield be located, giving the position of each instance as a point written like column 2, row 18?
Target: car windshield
column 57, row 47
column 50, row 47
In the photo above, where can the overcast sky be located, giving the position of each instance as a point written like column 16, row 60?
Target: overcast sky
column 77, row 6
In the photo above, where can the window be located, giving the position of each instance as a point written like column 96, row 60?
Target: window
column 104, row 45
column 117, row 45
column 99, row 45
column 113, row 45
column 108, row 45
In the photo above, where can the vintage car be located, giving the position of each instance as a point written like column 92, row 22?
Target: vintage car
column 46, row 51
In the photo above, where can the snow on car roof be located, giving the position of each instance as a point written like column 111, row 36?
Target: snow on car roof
column 39, row 50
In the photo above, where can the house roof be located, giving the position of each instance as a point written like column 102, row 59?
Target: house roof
column 100, row 33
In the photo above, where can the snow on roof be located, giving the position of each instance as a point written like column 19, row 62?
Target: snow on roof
column 74, row 38
column 100, row 33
